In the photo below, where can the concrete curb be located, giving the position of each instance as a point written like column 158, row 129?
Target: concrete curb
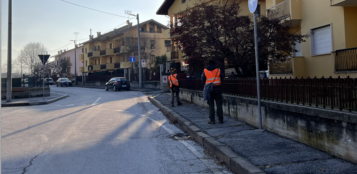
column 223, row 153
column 34, row 103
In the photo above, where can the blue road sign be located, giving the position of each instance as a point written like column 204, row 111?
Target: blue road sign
column 132, row 58
column 253, row 4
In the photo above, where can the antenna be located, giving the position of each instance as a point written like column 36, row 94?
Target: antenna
column 128, row 12
column 76, row 33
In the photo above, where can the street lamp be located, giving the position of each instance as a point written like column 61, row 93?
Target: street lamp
column 75, row 59
column 139, row 49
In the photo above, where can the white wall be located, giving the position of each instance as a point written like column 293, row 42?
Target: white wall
column 70, row 53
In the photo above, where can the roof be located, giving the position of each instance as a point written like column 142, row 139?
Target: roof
column 164, row 8
column 123, row 29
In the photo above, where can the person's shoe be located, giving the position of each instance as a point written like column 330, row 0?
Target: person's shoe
column 211, row 122
column 172, row 105
column 179, row 104
column 221, row 122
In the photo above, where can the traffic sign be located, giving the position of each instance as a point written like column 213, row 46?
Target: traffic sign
column 143, row 63
column 253, row 4
column 132, row 58
column 164, row 79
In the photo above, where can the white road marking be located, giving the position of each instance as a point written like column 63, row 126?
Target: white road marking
column 70, row 105
column 96, row 101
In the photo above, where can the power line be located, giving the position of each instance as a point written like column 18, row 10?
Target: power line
column 93, row 9
column 60, row 47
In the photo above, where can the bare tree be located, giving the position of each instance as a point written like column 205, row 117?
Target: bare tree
column 29, row 55
column 62, row 67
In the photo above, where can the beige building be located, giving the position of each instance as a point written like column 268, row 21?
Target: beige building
column 332, row 48
column 109, row 53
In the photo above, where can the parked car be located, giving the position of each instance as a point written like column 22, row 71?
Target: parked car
column 49, row 81
column 117, row 84
column 63, row 82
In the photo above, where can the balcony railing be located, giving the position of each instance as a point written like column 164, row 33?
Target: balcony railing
column 174, row 30
column 346, row 59
column 102, row 52
column 116, row 65
column 104, row 66
column 90, row 67
column 94, row 54
column 282, row 68
column 116, row 50
column 81, row 57
column 90, row 54
column 281, row 10
column 174, row 55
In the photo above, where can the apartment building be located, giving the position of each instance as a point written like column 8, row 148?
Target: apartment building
column 109, row 53
column 176, row 8
column 70, row 56
column 331, row 50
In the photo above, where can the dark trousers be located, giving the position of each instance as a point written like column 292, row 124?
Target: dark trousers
column 216, row 95
column 177, row 97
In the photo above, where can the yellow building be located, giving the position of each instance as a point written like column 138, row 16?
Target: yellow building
column 110, row 52
column 175, row 8
column 332, row 48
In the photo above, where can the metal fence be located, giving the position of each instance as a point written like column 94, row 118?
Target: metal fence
column 333, row 93
column 346, row 60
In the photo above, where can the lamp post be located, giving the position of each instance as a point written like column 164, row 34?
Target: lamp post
column 9, row 78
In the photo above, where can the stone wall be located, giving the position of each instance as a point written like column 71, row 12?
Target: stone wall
column 332, row 131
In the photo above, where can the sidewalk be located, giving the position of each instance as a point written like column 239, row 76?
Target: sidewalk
column 34, row 100
column 267, row 151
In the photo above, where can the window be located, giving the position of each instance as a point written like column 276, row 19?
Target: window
column 110, row 45
column 98, row 47
column 152, row 43
column 321, row 41
column 99, row 62
column 298, row 48
column 142, row 29
column 86, row 50
column 167, row 43
column 110, row 59
column 183, row 1
column 82, row 50
column 151, row 30
column 95, row 62
column 86, row 63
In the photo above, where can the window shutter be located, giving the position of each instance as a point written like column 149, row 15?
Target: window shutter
column 322, row 41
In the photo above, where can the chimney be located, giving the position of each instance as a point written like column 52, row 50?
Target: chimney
column 98, row 34
column 90, row 35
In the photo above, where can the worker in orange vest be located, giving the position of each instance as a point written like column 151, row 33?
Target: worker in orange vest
column 175, row 87
column 214, row 75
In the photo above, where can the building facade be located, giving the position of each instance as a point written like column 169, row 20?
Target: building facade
column 70, row 56
column 109, row 53
column 331, row 49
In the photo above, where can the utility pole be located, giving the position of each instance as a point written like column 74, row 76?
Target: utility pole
column 75, row 59
column 257, row 67
column 139, row 49
column 9, row 78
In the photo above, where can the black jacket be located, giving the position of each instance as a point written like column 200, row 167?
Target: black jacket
column 211, row 68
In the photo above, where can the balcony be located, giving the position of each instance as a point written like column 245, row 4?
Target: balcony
column 103, row 67
column 292, row 66
column 81, row 69
column 94, row 54
column 176, row 55
column 116, row 65
column 343, row 3
column 288, row 10
column 110, row 66
column 117, row 50
column 126, row 64
column 107, row 52
column 94, row 68
column 81, row 57
column 174, row 32
column 346, row 60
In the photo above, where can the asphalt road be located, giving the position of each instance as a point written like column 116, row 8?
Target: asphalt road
column 97, row 132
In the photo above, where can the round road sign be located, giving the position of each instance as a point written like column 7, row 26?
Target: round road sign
column 252, row 5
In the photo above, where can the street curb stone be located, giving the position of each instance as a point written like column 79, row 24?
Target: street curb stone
column 235, row 162
column 33, row 103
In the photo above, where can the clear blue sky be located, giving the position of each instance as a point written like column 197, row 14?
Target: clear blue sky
column 53, row 22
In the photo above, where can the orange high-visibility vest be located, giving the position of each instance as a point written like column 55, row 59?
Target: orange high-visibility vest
column 173, row 80
column 211, row 75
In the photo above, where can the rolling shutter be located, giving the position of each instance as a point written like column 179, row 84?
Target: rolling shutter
column 322, row 41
